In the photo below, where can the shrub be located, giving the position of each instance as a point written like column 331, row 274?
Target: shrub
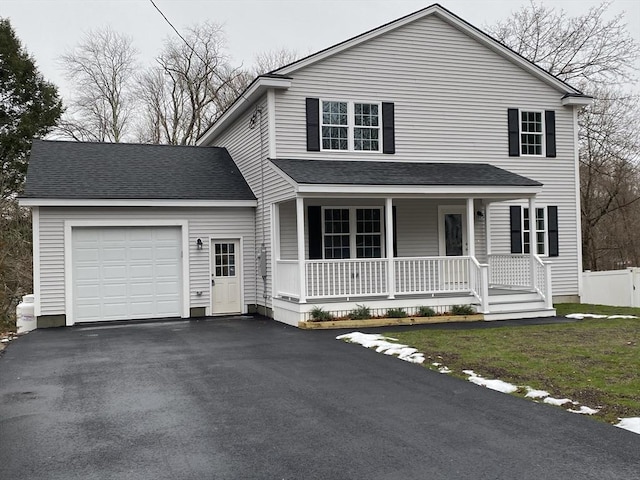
column 462, row 310
column 426, row 312
column 361, row 312
column 396, row 313
column 319, row 315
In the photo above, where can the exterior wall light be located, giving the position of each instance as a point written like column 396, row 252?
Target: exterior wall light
column 199, row 244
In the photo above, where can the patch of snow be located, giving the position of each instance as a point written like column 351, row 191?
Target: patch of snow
column 581, row 316
column 384, row 345
column 444, row 370
column 531, row 393
column 497, row 385
column 556, row 401
column 584, row 410
column 436, row 364
column 632, row 424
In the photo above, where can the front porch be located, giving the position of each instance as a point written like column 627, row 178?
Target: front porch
column 404, row 235
column 428, row 252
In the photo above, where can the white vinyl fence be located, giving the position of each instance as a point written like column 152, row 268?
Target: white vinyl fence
column 620, row 288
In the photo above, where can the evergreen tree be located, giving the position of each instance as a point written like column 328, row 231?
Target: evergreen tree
column 29, row 107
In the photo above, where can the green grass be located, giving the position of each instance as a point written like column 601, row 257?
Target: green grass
column 566, row 308
column 594, row 362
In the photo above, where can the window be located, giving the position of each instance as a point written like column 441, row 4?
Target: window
column 335, row 130
column 531, row 133
column 541, row 231
column 350, row 126
column 348, row 230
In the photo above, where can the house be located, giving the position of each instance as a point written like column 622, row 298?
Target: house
column 421, row 163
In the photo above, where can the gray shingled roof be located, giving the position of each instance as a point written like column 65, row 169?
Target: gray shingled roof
column 338, row 172
column 78, row 170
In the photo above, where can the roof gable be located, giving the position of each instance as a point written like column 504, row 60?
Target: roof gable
column 91, row 170
column 451, row 19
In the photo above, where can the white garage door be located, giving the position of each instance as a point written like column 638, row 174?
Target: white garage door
column 124, row 273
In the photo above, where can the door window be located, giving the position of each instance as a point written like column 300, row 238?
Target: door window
column 225, row 260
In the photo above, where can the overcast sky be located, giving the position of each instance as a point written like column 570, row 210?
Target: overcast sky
column 50, row 27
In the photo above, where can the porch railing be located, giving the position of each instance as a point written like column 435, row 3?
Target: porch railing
column 346, row 278
column 432, row 275
column 288, row 276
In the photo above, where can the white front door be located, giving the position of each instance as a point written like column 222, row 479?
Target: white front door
column 225, row 277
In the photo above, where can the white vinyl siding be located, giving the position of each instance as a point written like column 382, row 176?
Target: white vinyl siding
column 203, row 223
column 451, row 96
column 250, row 150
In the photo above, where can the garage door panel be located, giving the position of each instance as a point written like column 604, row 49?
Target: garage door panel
column 126, row 272
column 144, row 271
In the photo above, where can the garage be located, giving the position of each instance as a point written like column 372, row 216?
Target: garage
column 123, row 273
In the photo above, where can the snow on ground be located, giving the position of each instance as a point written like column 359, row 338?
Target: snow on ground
column 582, row 316
column 584, row 410
column 384, row 345
column 531, row 393
column 387, row 346
column 498, row 385
column 632, row 424
column 556, row 401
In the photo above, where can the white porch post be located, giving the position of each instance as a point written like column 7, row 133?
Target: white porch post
column 275, row 254
column 471, row 230
column 533, row 240
column 300, row 238
column 391, row 276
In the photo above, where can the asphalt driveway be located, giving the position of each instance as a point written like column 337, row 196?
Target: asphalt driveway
column 253, row 399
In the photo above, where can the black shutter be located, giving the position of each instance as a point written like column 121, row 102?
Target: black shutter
column 550, row 132
column 514, row 132
column 388, row 128
column 313, row 125
column 552, row 225
column 314, row 229
column 516, row 228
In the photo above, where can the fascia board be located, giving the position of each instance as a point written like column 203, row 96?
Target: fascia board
column 62, row 202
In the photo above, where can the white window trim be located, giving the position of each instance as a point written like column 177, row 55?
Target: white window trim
column 353, row 227
column 546, row 230
column 543, row 135
column 351, row 126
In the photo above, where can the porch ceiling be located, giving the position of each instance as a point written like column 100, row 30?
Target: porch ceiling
column 316, row 176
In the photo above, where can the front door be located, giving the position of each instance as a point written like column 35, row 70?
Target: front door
column 453, row 243
column 225, row 277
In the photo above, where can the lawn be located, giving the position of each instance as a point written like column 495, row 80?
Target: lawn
column 594, row 361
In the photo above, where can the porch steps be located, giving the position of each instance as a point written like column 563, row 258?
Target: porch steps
column 508, row 305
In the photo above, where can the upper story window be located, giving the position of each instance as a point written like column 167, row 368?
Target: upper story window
column 350, row 126
column 531, row 133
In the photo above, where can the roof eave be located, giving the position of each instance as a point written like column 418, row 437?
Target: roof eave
column 461, row 191
column 128, row 202
column 581, row 100
column 258, row 88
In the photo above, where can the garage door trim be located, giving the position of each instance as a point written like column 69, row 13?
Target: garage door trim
column 137, row 222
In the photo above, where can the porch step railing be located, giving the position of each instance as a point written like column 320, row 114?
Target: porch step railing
column 515, row 271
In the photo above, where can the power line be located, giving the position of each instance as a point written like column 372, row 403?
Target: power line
column 177, row 32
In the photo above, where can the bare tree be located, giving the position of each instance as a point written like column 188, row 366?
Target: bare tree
column 101, row 68
column 596, row 54
column 586, row 48
column 269, row 61
column 192, row 83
